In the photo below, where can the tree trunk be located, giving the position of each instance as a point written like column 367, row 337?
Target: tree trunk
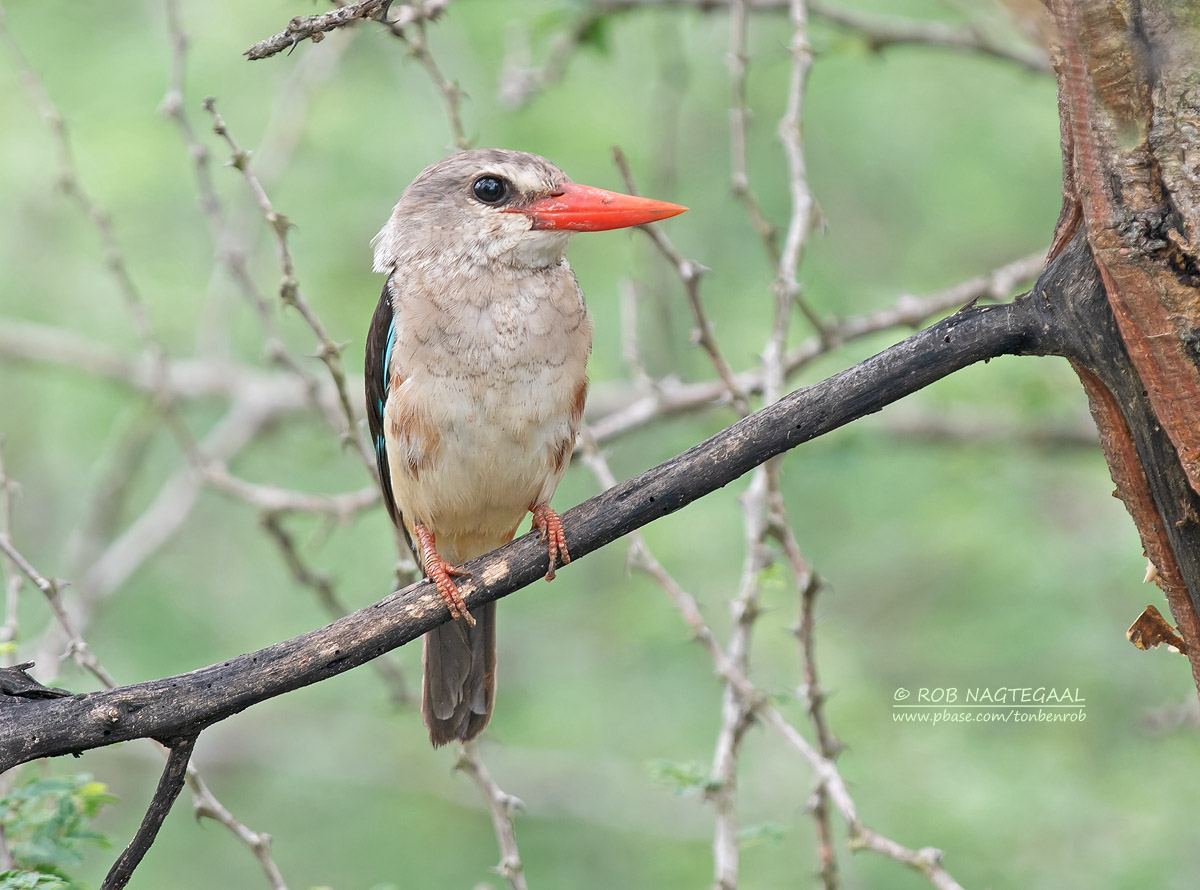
column 1129, row 99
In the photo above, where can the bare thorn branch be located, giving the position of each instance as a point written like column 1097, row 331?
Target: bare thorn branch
column 883, row 31
column 787, row 285
column 289, row 289
column 387, row 666
column 880, row 31
column 206, row 806
column 670, row 397
column 450, row 92
column 71, row 184
column 739, row 117
column 503, row 806
column 690, row 273
column 315, row 27
column 228, row 250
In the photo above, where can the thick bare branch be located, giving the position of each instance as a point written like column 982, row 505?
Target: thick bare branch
column 187, row 703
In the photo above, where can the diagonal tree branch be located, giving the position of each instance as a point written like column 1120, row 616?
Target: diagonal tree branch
column 168, row 789
column 185, row 704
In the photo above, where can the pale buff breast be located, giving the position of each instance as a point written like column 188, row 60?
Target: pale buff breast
column 486, row 399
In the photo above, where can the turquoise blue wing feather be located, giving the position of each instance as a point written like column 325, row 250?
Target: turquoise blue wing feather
column 381, row 339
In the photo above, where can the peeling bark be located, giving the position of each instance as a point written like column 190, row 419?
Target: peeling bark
column 1129, row 97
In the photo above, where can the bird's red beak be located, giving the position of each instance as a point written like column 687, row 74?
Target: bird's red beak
column 581, row 208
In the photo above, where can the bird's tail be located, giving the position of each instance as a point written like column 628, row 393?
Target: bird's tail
column 459, row 686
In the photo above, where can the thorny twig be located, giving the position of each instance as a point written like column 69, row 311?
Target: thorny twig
column 450, row 92
column 315, row 27
column 229, row 251
column 739, row 116
column 387, row 666
column 689, row 273
column 927, row 860
column 206, row 806
column 814, row 697
column 520, row 83
column 882, row 31
column 764, row 485
column 289, row 288
column 51, row 589
column 670, row 397
column 787, row 286
column 502, row 806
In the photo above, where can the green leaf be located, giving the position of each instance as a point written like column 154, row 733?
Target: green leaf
column 681, row 777
column 773, row 577
column 756, row 835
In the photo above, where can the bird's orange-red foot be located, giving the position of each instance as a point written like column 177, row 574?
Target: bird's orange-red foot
column 441, row 574
column 546, row 521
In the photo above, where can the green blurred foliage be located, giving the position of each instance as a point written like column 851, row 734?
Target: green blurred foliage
column 46, row 825
column 993, row 564
column 31, row 880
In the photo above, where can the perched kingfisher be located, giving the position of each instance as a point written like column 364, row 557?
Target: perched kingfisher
column 476, row 376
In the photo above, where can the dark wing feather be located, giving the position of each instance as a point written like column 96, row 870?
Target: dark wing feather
column 380, row 337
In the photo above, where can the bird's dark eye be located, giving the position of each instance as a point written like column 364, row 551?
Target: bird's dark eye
column 490, row 189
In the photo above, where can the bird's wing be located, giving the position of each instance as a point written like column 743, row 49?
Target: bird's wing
column 380, row 338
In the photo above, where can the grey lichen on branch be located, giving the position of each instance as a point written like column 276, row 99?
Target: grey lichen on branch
column 315, row 27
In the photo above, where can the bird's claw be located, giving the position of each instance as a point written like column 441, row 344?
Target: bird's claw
column 442, row 574
column 550, row 526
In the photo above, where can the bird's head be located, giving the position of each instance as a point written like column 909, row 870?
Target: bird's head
column 490, row 206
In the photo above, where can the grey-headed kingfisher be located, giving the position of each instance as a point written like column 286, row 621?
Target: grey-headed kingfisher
column 476, row 376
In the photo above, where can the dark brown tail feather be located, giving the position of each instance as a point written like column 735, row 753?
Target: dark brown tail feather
column 459, row 687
